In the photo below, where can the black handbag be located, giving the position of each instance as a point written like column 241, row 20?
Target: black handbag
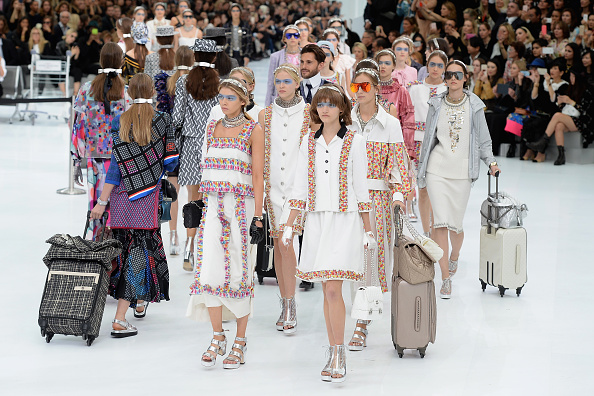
column 192, row 213
column 169, row 196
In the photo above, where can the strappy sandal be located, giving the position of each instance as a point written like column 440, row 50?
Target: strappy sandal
column 237, row 358
column 326, row 374
column 127, row 331
column 141, row 314
column 290, row 319
column 359, row 341
column 217, row 347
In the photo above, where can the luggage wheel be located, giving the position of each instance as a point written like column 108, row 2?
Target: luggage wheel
column 90, row 340
column 399, row 350
column 501, row 290
column 422, row 352
column 519, row 291
column 261, row 280
column 483, row 284
column 48, row 337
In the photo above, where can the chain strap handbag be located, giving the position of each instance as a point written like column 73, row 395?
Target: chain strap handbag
column 414, row 258
column 369, row 300
column 192, row 213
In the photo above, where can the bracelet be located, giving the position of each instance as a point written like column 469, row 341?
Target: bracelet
column 258, row 218
column 100, row 202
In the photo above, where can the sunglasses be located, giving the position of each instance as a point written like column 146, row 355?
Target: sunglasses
column 433, row 64
column 230, row 98
column 365, row 86
column 188, row 17
column 289, row 36
column 401, row 49
column 450, row 74
column 327, row 104
column 387, row 63
column 288, row 81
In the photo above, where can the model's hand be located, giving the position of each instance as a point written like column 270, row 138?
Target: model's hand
column 287, row 237
column 77, row 174
column 369, row 240
column 97, row 211
column 494, row 170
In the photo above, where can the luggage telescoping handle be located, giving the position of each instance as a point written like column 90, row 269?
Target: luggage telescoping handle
column 496, row 176
column 105, row 216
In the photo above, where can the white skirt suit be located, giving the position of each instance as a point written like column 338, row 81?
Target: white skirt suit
column 331, row 186
column 284, row 130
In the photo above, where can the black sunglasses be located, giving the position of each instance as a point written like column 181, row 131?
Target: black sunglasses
column 450, row 74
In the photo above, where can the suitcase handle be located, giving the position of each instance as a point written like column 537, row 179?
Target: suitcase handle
column 104, row 217
column 496, row 176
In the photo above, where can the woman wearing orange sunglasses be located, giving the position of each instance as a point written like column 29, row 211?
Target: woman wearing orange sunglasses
column 387, row 181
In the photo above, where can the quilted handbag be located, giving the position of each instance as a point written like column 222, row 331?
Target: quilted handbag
column 412, row 262
column 369, row 300
column 192, row 213
column 140, row 214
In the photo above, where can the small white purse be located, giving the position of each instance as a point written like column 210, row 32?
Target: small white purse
column 369, row 300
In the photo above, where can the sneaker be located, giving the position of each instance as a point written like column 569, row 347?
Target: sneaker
column 446, row 289
column 453, row 267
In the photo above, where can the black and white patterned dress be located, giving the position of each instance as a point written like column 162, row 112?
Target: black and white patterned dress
column 191, row 115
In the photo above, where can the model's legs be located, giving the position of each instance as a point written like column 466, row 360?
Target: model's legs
column 425, row 209
column 173, row 237
column 193, row 195
column 216, row 321
column 240, row 340
column 440, row 236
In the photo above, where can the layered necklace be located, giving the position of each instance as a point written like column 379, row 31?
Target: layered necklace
column 188, row 28
column 287, row 103
column 386, row 83
column 364, row 123
column 455, row 113
column 236, row 121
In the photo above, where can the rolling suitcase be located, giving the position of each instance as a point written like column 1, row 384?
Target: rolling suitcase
column 265, row 256
column 414, row 312
column 76, row 286
column 502, row 250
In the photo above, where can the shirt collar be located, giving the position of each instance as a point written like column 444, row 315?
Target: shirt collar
column 315, row 81
column 340, row 134
column 381, row 117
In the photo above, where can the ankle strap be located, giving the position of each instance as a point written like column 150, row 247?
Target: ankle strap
column 242, row 339
column 219, row 333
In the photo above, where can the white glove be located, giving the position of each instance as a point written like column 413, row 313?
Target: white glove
column 369, row 240
column 287, row 235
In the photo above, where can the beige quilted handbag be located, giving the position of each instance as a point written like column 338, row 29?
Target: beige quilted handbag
column 412, row 262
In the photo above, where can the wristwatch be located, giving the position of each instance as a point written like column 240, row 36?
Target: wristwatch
column 100, row 202
column 492, row 164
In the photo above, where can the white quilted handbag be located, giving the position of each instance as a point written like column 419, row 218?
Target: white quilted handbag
column 369, row 300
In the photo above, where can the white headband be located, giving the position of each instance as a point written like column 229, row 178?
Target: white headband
column 126, row 35
column 106, row 71
column 368, row 71
column 204, row 64
column 236, row 83
column 183, row 67
column 142, row 100
column 330, row 87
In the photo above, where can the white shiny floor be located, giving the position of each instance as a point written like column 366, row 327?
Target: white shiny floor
column 538, row 344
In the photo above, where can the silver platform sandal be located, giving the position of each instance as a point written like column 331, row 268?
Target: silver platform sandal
column 238, row 358
column 189, row 255
column 174, row 248
column 338, row 369
column 359, row 340
column 290, row 319
column 280, row 323
column 128, row 330
column 218, row 347
column 326, row 374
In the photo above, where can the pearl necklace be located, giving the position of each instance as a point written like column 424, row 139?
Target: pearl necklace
column 236, row 121
column 450, row 101
column 287, row 103
column 188, row 29
column 386, row 83
column 364, row 123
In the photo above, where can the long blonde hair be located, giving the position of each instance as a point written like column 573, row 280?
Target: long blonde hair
column 184, row 56
column 139, row 117
column 42, row 40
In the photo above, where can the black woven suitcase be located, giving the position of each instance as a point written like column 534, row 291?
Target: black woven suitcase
column 76, row 285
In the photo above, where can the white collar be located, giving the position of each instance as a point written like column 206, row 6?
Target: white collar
column 381, row 117
column 315, row 81
column 511, row 20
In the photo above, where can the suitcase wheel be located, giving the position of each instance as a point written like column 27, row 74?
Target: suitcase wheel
column 483, row 284
column 399, row 350
column 90, row 340
column 48, row 337
column 260, row 279
column 501, row 290
column 519, row 291
column 422, row 352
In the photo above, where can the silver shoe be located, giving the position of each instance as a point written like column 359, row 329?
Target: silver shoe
column 219, row 349
column 280, row 323
column 141, row 314
column 338, row 369
column 174, row 248
column 189, row 254
column 412, row 215
column 238, row 358
column 290, row 319
column 446, row 289
column 326, row 374
column 453, row 267
column 128, row 330
column 360, row 340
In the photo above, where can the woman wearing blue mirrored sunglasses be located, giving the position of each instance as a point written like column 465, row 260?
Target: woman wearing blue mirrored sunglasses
column 289, row 54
